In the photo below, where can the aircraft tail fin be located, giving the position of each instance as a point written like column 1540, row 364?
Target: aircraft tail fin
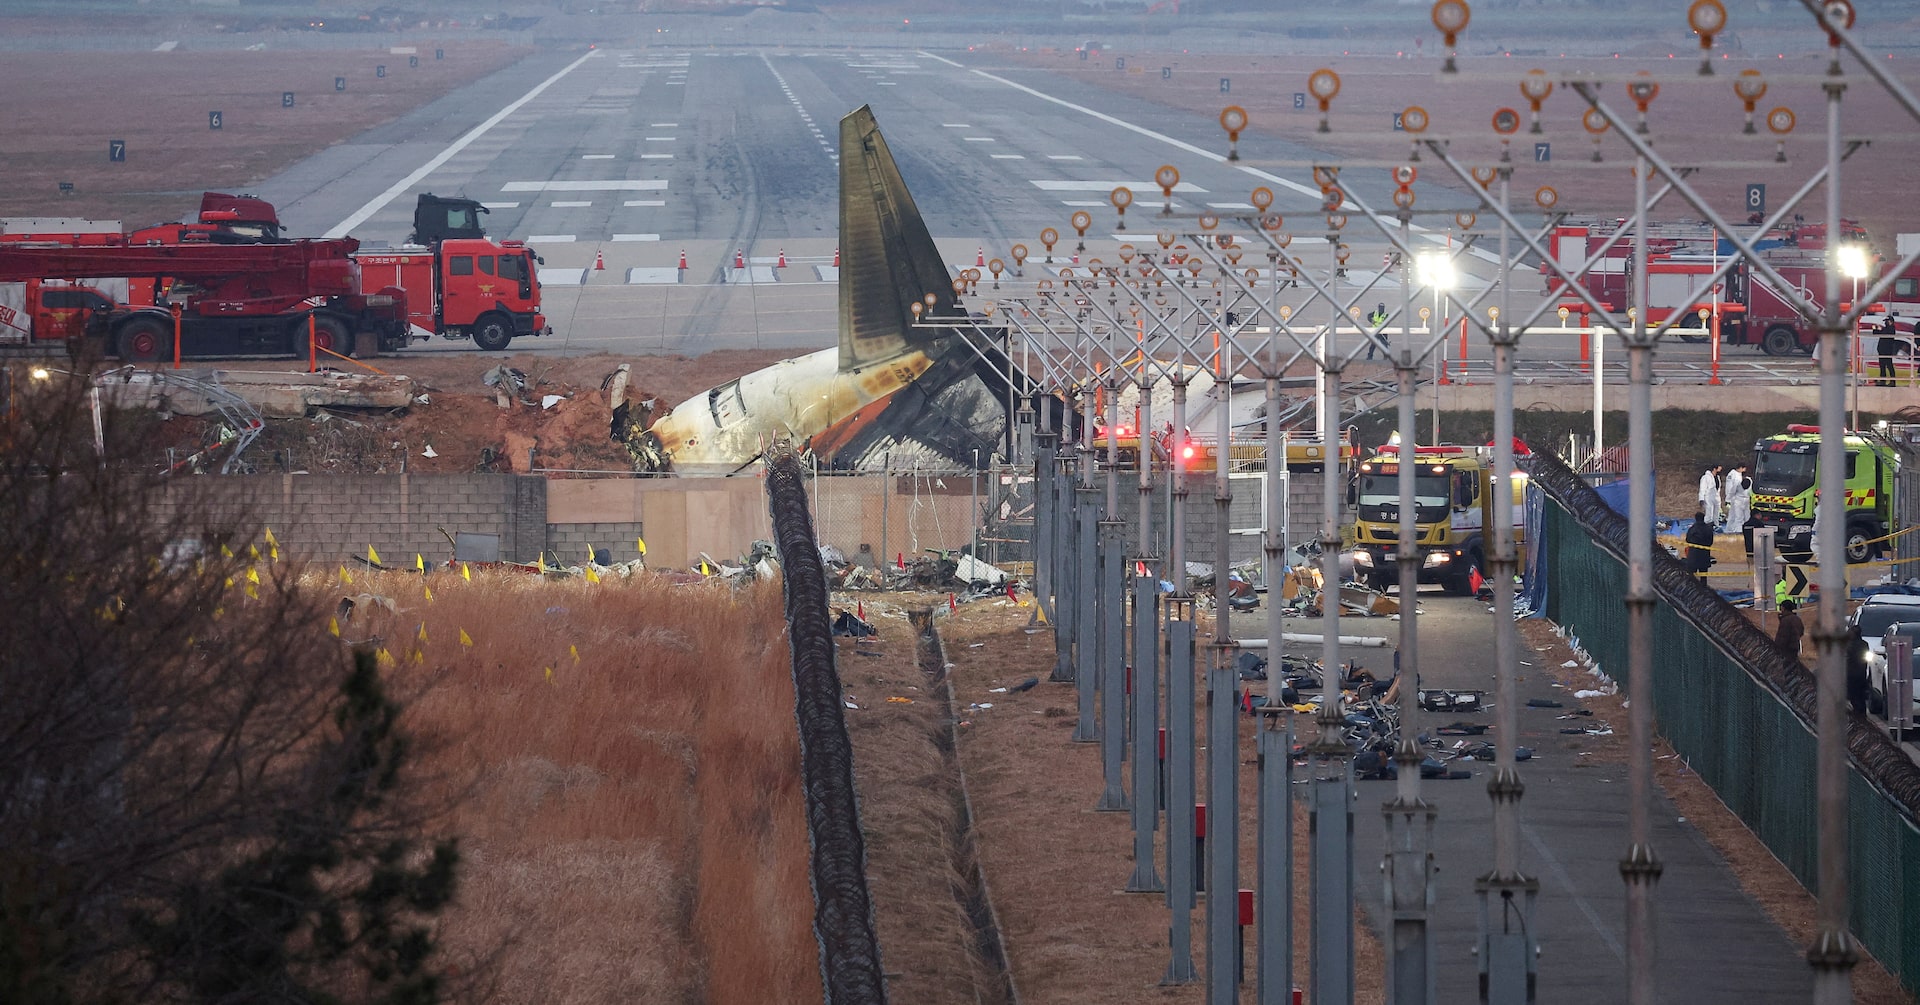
column 888, row 260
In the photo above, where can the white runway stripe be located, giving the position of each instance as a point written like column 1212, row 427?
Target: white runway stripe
column 379, row 202
column 644, row 202
column 550, row 239
column 596, row 157
column 501, row 205
column 1139, row 187
column 570, row 205
column 636, row 237
column 626, row 185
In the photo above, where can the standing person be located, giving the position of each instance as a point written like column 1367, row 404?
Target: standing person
column 1739, row 500
column 1378, row 319
column 1699, row 545
column 1787, row 637
column 1813, row 539
column 1710, row 491
column 1887, row 348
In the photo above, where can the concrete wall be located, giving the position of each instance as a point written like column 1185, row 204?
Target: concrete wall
column 332, row 518
column 1734, row 396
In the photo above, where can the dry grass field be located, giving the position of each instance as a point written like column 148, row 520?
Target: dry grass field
column 626, row 775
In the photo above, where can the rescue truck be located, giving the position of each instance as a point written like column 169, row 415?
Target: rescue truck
column 285, row 299
column 1455, row 501
column 1748, row 306
column 1786, row 469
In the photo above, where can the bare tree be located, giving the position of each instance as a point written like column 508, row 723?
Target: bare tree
column 199, row 786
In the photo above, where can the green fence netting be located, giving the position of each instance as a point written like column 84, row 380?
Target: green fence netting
column 1741, row 715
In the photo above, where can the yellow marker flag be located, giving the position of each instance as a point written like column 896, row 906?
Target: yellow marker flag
column 422, row 634
column 429, row 594
column 589, row 554
column 466, row 572
column 253, row 574
column 273, row 553
column 373, row 556
column 253, row 593
column 253, row 552
column 540, row 562
column 419, row 657
column 384, row 658
column 333, row 627
column 465, row 639
column 419, row 561
column 218, row 612
column 226, row 552
column 704, row 571
column 574, row 651
column 549, row 675
column 640, row 545
column 270, row 540
column 592, row 576
column 229, row 583
column 345, row 576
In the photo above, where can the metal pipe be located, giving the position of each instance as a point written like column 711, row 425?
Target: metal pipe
column 1111, row 654
column 1146, row 739
column 1832, row 954
column 1180, row 794
column 1408, row 865
column 1087, row 613
column 1641, row 867
column 1508, row 936
column 1223, row 774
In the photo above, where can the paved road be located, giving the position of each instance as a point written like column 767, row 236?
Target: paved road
column 1716, row 945
column 629, row 157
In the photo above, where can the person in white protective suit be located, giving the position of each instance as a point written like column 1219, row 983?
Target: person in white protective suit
column 1710, row 494
column 1738, row 495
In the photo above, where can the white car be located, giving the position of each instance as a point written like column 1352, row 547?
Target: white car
column 1874, row 616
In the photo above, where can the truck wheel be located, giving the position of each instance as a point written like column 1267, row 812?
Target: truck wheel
column 1780, row 340
column 1859, row 533
column 492, row 332
column 140, row 340
column 328, row 333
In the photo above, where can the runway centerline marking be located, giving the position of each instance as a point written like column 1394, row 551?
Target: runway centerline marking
column 1287, row 183
column 618, row 185
column 596, row 157
column 644, row 202
column 550, row 238
column 570, row 205
column 379, row 202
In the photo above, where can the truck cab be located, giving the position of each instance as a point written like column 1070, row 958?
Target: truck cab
column 1454, row 503
column 45, row 310
column 465, row 288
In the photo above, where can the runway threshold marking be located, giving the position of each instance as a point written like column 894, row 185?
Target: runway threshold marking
column 379, row 202
column 1198, row 151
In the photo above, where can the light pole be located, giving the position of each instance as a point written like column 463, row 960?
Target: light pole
column 1852, row 259
column 1435, row 271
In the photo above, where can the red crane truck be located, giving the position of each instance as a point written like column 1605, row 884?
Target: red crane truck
column 232, row 300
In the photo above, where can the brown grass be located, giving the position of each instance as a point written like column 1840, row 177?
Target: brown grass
column 632, row 817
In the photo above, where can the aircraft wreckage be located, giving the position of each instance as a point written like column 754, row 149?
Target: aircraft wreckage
column 901, row 389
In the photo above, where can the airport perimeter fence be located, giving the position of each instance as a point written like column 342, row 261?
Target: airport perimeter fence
column 1741, row 714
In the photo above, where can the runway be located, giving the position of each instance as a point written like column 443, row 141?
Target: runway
column 615, row 162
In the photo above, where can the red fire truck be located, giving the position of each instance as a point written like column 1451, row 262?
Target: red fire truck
column 226, row 300
column 1752, row 308
column 463, row 288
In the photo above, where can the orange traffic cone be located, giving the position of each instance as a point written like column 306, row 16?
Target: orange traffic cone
column 979, row 256
column 783, row 259
column 599, row 262
column 836, row 258
column 683, row 259
column 739, row 259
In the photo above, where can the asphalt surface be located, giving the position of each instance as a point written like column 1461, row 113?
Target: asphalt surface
column 1715, row 943
column 627, row 158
